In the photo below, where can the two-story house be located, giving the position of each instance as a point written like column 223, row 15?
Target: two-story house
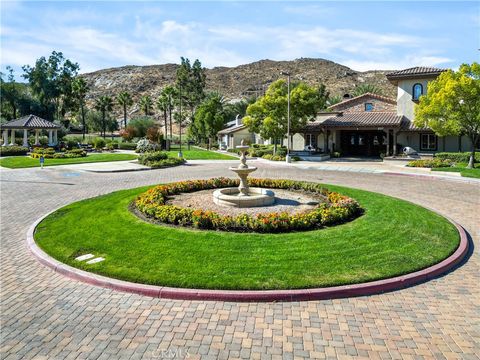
column 370, row 124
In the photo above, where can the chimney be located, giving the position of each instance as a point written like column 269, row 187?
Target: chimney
column 238, row 120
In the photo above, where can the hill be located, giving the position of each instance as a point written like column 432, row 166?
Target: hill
column 235, row 82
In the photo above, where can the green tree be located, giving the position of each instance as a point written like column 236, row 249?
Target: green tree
column 323, row 96
column 80, row 90
column 169, row 97
column 452, row 105
column 124, row 99
column 237, row 108
column 268, row 115
column 141, row 125
column 209, row 119
column 367, row 88
column 104, row 104
column 146, row 104
column 10, row 94
column 51, row 81
column 191, row 79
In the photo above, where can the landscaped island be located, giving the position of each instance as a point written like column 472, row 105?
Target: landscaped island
column 392, row 237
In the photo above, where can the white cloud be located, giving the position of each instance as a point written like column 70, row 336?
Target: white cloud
column 397, row 63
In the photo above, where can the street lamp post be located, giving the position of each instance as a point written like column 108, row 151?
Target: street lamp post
column 287, row 158
column 180, row 154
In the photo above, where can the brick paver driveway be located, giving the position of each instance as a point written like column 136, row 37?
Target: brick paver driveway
column 45, row 315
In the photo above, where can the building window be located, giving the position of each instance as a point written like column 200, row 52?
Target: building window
column 428, row 142
column 368, row 106
column 311, row 141
column 417, row 91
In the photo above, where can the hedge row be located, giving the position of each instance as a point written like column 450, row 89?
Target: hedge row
column 49, row 153
column 335, row 210
column 463, row 157
column 13, row 150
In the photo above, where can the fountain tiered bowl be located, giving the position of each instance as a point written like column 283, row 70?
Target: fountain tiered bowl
column 243, row 196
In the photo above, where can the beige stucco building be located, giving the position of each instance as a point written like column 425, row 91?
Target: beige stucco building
column 367, row 125
column 370, row 125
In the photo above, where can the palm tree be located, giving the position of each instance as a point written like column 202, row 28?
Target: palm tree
column 367, row 88
column 146, row 104
column 169, row 93
column 124, row 99
column 80, row 89
column 104, row 104
column 162, row 105
column 334, row 99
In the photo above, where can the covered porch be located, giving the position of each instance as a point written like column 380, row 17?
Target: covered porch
column 26, row 124
column 355, row 134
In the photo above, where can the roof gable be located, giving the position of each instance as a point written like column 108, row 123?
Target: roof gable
column 29, row 122
column 364, row 96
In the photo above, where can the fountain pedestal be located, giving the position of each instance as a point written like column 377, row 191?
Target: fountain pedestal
column 243, row 196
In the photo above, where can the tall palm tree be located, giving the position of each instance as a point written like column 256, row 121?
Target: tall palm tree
column 80, row 89
column 162, row 105
column 170, row 94
column 104, row 104
column 146, row 104
column 124, row 99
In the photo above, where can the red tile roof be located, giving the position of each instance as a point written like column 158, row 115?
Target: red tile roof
column 359, row 120
column 369, row 95
column 414, row 72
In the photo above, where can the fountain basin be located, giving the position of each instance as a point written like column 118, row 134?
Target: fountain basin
column 234, row 198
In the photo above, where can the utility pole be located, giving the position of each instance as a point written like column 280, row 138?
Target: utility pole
column 287, row 158
column 180, row 154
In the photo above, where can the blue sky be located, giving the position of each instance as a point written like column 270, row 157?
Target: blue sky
column 361, row 35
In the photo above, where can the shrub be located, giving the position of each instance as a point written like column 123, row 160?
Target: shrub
column 463, row 157
column 154, row 134
column 152, row 156
column 128, row 133
column 71, row 144
column 13, row 150
column 431, row 163
column 145, row 145
column 336, row 209
column 77, row 152
column 127, row 146
column 99, row 143
column 169, row 162
column 140, row 125
column 273, row 157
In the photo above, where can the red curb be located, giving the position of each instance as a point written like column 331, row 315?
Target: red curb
column 335, row 292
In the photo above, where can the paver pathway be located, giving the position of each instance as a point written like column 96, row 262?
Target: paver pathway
column 45, row 315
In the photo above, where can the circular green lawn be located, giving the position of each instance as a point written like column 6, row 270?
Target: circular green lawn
column 392, row 238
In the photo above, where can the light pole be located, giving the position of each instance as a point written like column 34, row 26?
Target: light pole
column 287, row 158
column 180, row 154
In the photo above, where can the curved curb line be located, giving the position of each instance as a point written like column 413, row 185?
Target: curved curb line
column 335, row 292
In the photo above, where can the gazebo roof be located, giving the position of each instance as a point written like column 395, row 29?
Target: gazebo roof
column 29, row 122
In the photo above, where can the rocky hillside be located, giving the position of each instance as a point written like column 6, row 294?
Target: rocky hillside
column 235, row 82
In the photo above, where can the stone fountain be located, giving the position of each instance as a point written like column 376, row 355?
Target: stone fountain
column 243, row 196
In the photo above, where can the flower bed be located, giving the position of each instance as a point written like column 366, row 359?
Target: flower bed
column 336, row 209
column 431, row 163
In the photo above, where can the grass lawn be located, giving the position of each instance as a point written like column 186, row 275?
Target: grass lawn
column 16, row 162
column 462, row 169
column 196, row 153
column 393, row 237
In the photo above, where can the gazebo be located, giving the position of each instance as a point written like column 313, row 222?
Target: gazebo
column 26, row 123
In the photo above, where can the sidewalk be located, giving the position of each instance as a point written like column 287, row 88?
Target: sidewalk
column 373, row 167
